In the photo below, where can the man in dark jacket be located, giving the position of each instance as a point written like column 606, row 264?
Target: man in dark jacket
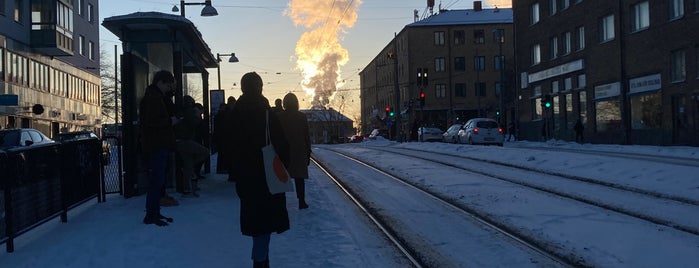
column 157, row 117
column 261, row 213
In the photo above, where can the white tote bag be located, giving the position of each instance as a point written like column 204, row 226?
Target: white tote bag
column 278, row 180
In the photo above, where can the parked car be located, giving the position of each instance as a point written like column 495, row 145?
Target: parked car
column 356, row 138
column 74, row 136
column 22, row 137
column 429, row 134
column 450, row 134
column 481, row 131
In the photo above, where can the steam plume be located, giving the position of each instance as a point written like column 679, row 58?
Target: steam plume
column 318, row 51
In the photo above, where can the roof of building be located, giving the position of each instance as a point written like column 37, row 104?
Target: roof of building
column 467, row 16
column 144, row 26
column 316, row 115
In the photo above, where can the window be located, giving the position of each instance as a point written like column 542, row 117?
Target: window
column 536, row 54
column 534, row 13
column 582, row 81
column 90, row 13
column 440, row 91
column 554, row 47
column 2, row 61
column 91, row 50
column 79, row 7
column 479, row 63
column 678, row 71
column 640, row 15
column 606, row 28
column 565, row 4
column 459, row 64
column 498, row 88
column 480, row 89
column 676, row 9
column 566, row 43
column 18, row 11
column 581, row 38
column 696, row 52
column 646, row 111
column 438, row 38
column 499, row 36
column 459, row 37
column 439, row 65
column 460, row 90
column 498, row 62
column 554, row 6
column 2, row 7
column 81, row 45
column 608, row 115
column 479, row 36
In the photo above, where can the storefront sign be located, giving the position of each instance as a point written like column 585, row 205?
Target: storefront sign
column 557, row 70
column 607, row 91
column 645, row 83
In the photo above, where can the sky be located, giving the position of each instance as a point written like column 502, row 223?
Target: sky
column 265, row 34
column 332, row 233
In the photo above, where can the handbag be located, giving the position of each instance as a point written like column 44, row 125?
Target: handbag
column 275, row 173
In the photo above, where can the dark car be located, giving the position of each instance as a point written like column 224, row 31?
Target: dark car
column 21, row 138
column 75, row 136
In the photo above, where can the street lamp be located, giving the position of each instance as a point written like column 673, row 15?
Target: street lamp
column 207, row 11
column 232, row 58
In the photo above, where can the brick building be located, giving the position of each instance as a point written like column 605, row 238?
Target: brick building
column 454, row 58
column 627, row 69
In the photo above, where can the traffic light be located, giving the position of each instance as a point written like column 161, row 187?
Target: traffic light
column 422, row 99
column 497, row 112
column 419, row 76
column 388, row 110
column 424, row 76
column 391, row 113
column 546, row 101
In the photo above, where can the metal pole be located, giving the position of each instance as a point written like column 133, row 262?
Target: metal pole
column 501, row 39
column 116, row 92
column 218, row 69
column 182, row 5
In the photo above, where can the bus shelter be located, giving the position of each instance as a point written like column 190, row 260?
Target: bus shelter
column 154, row 41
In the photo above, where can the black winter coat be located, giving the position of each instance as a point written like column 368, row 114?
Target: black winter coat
column 260, row 211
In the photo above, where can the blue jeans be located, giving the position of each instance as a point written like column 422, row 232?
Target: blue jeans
column 260, row 247
column 157, row 162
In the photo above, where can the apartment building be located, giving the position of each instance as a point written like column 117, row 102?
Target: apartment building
column 446, row 68
column 49, row 56
column 627, row 69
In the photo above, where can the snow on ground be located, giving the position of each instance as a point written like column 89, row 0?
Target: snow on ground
column 328, row 234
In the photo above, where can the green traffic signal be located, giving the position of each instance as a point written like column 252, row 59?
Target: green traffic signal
column 548, row 105
column 391, row 114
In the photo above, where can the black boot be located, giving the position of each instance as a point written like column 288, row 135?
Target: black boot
column 302, row 204
column 150, row 219
column 261, row 264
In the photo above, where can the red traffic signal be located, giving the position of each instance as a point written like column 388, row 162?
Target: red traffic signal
column 422, row 99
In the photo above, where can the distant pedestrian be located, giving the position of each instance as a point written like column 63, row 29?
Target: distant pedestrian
column 189, row 150
column 261, row 212
column 278, row 106
column 157, row 117
column 221, row 137
column 295, row 125
column 511, row 131
column 579, row 129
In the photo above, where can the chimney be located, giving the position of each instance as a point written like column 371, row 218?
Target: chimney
column 477, row 5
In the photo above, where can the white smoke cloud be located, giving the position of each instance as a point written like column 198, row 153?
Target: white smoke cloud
column 319, row 52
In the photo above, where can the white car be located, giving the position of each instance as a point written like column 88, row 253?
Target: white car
column 450, row 134
column 429, row 134
column 481, row 131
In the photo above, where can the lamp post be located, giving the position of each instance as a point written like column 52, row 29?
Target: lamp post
column 232, row 58
column 207, row 11
column 501, row 40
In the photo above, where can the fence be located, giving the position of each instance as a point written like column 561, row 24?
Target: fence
column 40, row 183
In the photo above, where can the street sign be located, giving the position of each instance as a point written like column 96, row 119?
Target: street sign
column 389, row 123
column 9, row 100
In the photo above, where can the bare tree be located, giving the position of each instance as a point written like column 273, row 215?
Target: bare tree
column 109, row 94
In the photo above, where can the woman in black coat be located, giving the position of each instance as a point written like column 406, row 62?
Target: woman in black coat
column 261, row 213
column 295, row 124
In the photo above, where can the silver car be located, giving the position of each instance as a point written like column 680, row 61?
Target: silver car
column 481, row 131
column 429, row 134
column 451, row 133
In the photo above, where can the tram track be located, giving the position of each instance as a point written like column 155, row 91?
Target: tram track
column 634, row 202
column 407, row 242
